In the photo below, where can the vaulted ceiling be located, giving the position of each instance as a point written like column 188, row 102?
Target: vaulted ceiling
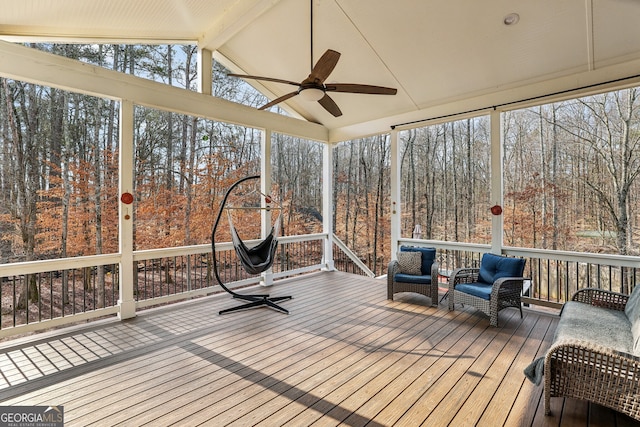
column 443, row 56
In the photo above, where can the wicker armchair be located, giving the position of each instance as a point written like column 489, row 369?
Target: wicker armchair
column 496, row 285
column 587, row 362
column 425, row 282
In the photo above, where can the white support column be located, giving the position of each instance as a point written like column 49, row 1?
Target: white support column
column 327, row 205
column 205, row 71
column 497, row 186
column 265, row 188
column 395, row 193
column 126, row 303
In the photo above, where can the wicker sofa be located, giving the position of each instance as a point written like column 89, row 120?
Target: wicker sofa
column 595, row 355
column 424, row 280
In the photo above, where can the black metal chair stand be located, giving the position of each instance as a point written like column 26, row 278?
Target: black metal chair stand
column 257, row 301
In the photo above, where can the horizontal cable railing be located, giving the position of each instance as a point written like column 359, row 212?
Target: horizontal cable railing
column 554, row 275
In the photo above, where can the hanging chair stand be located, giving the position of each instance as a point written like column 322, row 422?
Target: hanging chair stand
column 244, row 254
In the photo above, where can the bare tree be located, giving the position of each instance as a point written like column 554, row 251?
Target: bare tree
column 613, row 145
column 22, row 109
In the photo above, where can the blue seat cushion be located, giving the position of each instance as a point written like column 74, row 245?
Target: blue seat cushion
column 410, row 278
column 477, row 289
column 428, row 257
column 494, row 267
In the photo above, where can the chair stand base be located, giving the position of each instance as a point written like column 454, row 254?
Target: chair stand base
column 258, row 301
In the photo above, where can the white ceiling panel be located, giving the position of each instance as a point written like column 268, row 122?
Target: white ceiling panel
column 435, row 52
column 616, row 31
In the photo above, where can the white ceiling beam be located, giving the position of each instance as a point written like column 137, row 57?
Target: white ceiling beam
column 589, row 36
column 25, row 36
column 33, row 66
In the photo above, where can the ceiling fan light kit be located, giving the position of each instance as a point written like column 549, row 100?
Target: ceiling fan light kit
column 311, row 94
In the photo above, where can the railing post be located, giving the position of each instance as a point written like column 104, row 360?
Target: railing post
column 126, row 303
column 395, row 193
column 205, row 71
column 497, row 186
column 327, row 206
column 265, row 187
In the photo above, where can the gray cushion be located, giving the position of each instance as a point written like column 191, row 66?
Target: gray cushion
column 428, row 256
column 632, row 310
column 609, row 328
column 635, row 331
column 410, row 263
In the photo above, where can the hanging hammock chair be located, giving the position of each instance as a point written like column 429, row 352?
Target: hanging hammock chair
column 259, row 258
column 254, row 260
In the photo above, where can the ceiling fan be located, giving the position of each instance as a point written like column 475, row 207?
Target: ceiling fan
column 313, row 88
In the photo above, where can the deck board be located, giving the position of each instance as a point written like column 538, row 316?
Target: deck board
column 506, row 394
column 486, row 383
column 344, row 356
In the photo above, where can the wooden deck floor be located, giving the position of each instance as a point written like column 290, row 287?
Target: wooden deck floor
column 344, row 356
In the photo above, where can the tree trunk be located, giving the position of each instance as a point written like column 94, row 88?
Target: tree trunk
column 25, row 176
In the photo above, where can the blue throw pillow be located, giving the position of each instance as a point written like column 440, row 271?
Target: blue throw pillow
column 428, row 256
column 494, row 267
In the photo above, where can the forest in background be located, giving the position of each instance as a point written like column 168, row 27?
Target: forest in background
column 570, row 176
column 570, row 171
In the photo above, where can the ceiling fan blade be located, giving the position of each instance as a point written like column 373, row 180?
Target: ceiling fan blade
column 278, row 100
column 266, row 79
column 330, row 105
column 357, row 88
column 324, row 66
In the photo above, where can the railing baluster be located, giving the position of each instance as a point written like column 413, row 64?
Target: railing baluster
column 14, row 302
column 168, row 276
